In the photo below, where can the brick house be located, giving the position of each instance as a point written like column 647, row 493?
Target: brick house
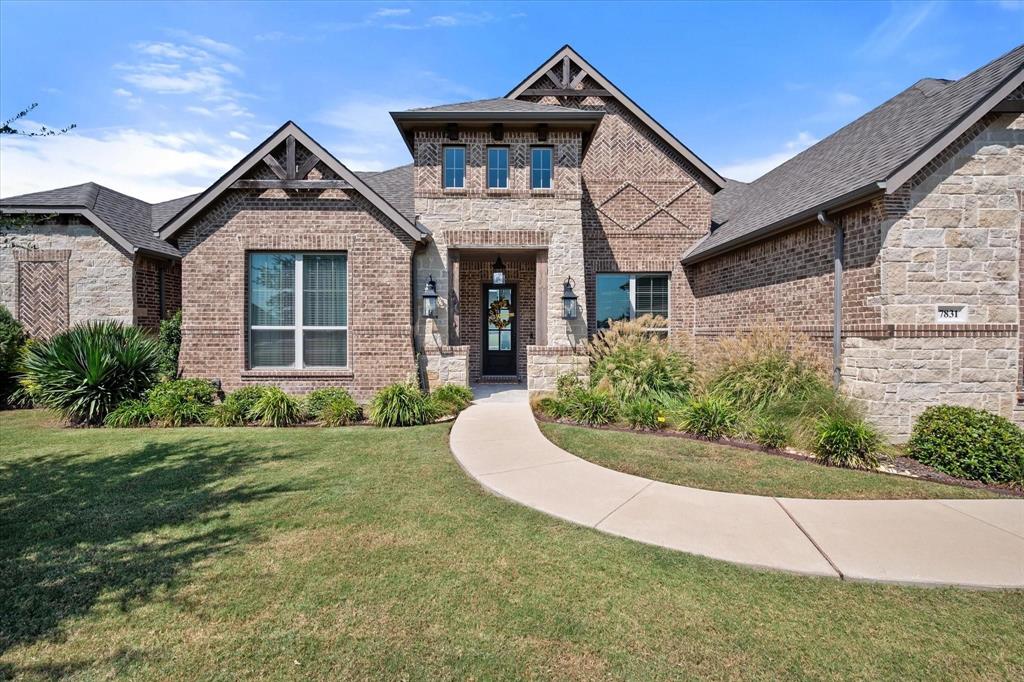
column 300, row 272
column 87, row 253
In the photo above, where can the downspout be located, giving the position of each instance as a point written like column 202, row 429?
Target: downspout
column 837, row 296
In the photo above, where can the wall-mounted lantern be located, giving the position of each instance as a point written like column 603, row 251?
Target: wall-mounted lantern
column 430, row 299
column 570, row 307
column 498, row 272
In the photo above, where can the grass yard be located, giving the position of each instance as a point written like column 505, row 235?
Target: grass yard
column 718, row 467
column 338, row 553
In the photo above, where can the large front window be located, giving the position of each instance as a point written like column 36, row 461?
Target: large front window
column 625, row 296
column 298, row 310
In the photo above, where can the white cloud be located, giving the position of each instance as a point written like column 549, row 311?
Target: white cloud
column 206, row 42
column 392, row 12
column 235, row 135
column 845, row 99
column 121, row 92
column 750, row 169
column 153, row 167
column 367, row 138
column 903, row 19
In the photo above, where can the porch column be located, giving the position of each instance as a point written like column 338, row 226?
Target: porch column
column 453, row 298
column 542, row 298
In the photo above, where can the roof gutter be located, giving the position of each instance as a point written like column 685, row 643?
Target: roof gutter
column 845, row 201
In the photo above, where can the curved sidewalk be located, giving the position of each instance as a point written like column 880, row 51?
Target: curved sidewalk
column 971, row 543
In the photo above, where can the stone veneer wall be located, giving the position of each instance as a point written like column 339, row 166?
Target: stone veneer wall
column 546, row 363
column 446, row 365
column 214, row 273
column 958, row 243
column 99, row 275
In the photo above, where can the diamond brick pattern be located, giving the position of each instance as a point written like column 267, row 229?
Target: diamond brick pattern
column 43, row 297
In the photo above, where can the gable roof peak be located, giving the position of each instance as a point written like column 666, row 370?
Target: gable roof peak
column 610, row 89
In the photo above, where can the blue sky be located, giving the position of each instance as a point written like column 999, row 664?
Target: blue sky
column 168, row 96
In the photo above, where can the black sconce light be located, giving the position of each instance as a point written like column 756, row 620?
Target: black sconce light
column 570, row 307
column 498, row 272
column 430, row 299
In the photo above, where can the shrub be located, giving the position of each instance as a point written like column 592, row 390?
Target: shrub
column 969, row 443
column 129, row 414
column 566, row 384
column 762, row 368
column 402, row 404
column 643, row 413
column 552, row 406
column 451, row 398
column 319, row 399
column 276, row 408
column 341, row 412
column 591, row 407
column 182, row 401
column 244, row 399
column 769, row 433
column 170, row 345
column 845, row 441
column 708, row 416
column 637, row 363
column 12, row 341
column 86, row 372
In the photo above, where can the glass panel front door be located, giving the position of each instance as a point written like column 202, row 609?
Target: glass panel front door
column 499, row 342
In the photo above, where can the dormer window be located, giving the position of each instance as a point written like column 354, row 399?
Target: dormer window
column 497, row 168
column 540, row 168
column 454, row 167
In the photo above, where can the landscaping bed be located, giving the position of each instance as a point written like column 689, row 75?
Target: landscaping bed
column 354, row 553
column 737, row 467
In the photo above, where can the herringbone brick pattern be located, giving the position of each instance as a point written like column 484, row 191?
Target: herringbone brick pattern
column 43, row 297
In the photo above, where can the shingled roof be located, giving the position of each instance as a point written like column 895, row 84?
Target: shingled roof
column 879, row 151
column 499, row 104
column 395, row 187
column 128, row 221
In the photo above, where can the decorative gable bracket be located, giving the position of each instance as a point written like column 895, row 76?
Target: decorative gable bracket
column 291, row 176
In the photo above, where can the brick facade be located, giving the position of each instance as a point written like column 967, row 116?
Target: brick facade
column 214, row 250
column 157, row 290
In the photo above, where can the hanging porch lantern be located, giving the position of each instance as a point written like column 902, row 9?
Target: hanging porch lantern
column 570, row 307
column 498, row 272
column 430, row 299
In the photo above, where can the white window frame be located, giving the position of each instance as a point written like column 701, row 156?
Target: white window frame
column 632, row 294
column 299, row 327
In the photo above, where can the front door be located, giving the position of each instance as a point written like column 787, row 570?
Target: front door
column 499, row 327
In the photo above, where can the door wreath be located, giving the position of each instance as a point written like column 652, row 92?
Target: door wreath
column 494, row 317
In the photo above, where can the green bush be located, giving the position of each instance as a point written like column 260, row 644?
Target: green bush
column 566, row 384
column 644, row 413
column 12, row 341
column 637, row 363
column 969, row 443
column 451, row 398
column 170, row 345
column 227, row 414
column 341, row 412
column 845, row 441
column 244, row 399
column 591, row 407
column 276, row 408
column 182, row 401
column 86, row 372
column 130, row 414
column 552, row 406
column 769, row 433
column 402, row 404
column 709, row 416
column 319, row 399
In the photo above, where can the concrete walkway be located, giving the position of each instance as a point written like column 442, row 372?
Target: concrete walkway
column 972, row 543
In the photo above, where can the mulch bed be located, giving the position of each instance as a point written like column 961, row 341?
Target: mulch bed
column 913, row 468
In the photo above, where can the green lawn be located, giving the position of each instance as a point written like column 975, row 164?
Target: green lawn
column 359, row 553
column 718, row 467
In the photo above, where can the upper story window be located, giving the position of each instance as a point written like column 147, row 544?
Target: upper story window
column 625, row 296
column 497, row 167
column 298, row 310
column 540, row 168
column 454, row 167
